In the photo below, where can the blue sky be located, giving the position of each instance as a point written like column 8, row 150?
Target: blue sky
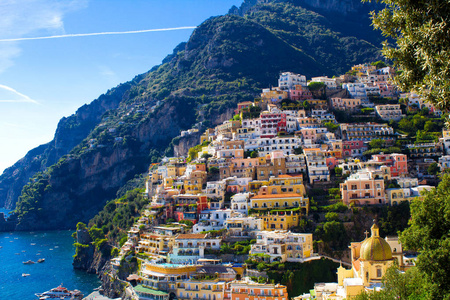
column 43, row 80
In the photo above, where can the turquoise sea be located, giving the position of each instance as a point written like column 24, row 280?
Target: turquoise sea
column 57, row 249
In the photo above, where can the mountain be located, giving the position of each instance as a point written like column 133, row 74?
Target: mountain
column 227, row 59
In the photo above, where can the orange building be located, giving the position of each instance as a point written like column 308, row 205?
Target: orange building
column 248, row 289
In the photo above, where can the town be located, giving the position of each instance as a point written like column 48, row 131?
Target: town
column 254, row 181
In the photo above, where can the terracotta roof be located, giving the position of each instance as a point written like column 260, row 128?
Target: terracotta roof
column 191, row 236
column 290, row 195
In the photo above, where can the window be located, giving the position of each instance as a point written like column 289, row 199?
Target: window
column 379, row 272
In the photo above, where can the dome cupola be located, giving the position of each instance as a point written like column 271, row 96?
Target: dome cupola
column 375, row 248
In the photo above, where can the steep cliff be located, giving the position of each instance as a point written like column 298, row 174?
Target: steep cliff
column 69, row 133
column 227, row 59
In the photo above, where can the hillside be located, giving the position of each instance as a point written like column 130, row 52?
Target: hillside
column 227, row 59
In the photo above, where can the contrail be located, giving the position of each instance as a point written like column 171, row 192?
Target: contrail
column 25, row 98
column 96, row 33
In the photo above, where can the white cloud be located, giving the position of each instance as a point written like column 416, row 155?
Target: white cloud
column 16, row 96
column 22, row 18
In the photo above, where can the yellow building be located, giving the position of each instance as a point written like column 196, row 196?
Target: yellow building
column 288, row 200
column 156, row 245
column 317, row 103
column 370, row 260
column 194, row 184
column 274, row 94
column 284, row 184
column 255, row 185
column 204, row 289
column 281, row 219
column 164, row 277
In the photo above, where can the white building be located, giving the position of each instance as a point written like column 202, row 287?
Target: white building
column 278, row 143
column 240, row 203
column 389, row 112
column 243, row 226
column 356, row 90
column 329, row 82
column 283, row 246
column 295, row 163
column 288, row 80
column 444, row 162
column 317, row 166
column 191, row 247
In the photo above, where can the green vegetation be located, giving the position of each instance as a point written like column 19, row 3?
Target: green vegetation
column 316, row 86
column 397, row 285
column 309, row 32
column 428, row 234
column 379, row 64
column 193, row 152
column 119, row 215
column 421, row 51
column 251, row 112
column 237, row 248
column 298, row 277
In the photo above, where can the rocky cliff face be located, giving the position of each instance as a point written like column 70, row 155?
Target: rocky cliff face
column 69, row 133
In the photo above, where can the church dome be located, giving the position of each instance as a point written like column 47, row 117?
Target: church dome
column 375, row 247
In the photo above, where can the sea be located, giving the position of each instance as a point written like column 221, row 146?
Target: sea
column 57, row 249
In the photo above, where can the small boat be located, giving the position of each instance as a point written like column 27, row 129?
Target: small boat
column 25, row 275
column 41, row 260
column 32, row 244
column 28, row 262
column 60, row 293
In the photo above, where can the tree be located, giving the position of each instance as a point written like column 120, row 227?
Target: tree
column 428, row 233
column 81, row 226
column 421, row 53
column 316, row 86
column 379, row 64
column 254, row 154
column 433, row 169
column 331, row 126
column 399, row 285
column 376, row 144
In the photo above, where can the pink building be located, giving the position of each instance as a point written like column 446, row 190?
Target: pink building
column 308, row 134
column 398, row 163
column 363, row 188
column 230, row 153
column 387, row 89
column 300, row 93
column 332, row 162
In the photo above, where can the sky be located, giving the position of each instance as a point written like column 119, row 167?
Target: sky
column 43, row 79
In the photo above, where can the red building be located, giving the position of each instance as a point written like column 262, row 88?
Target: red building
column 272, row 123
column 353, row 148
